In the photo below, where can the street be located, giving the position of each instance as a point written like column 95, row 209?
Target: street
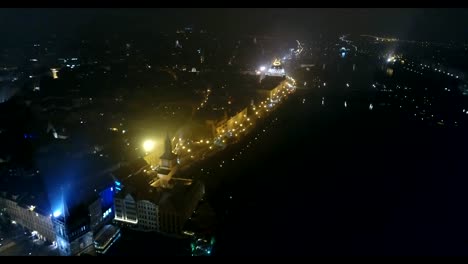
column 16, row 241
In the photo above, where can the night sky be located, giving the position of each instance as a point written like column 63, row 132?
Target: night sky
column 418, row 24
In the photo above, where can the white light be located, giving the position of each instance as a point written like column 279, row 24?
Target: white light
column 262, row 68
column 57, row 213
column 148, row 145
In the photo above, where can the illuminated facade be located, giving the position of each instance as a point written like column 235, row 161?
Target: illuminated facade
column 228, row 124
column 158, row 209
column 276, row 69
column 29, row 217
column 125, row 210
column 142, row 215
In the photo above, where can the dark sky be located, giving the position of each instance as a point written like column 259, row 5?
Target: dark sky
column 430, row 24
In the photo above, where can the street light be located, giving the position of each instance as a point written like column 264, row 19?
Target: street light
column 148, row 145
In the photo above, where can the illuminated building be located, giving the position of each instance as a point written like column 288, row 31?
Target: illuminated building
column 140, row 214
column 125, row 209
column 146, row 208
column 142, row 206
column 73, row 232
column 276, row 69
column 227, row 124
column 54, row 73
column 168, row 163
column 76, row 228
column 35, row 217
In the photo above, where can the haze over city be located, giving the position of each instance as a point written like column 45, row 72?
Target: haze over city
column 214, row 132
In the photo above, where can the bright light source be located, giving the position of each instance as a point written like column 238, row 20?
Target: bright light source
column 54, row 73
column 57, row 213
column 262, row 68
column 148, row 145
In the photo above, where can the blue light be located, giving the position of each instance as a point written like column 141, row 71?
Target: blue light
column 117, row 183
column 106, row 213
column 112, row 189
column 57, row 213
column 343, row 54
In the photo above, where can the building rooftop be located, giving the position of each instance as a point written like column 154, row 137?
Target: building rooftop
column 163, row 171
column 175, row 198
column 270, row 82
column 105, row 235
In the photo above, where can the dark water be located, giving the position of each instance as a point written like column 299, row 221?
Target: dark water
column 329, row 180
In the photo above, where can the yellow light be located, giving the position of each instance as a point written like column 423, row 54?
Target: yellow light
column 148, row 145
column 189, row 150
column 207, row 142
column 54, row 73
